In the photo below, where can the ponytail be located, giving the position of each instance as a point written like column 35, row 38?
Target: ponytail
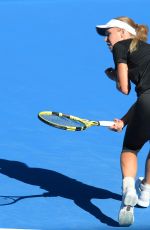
column 141, row 32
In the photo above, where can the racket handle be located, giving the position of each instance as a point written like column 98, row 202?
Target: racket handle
column 106, row 123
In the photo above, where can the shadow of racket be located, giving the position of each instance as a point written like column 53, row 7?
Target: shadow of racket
column 7, row 200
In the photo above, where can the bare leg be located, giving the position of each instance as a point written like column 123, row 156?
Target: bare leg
column 129, row 169
column 129, row 164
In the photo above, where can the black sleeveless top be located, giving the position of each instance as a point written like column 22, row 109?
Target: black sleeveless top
column 138, row 63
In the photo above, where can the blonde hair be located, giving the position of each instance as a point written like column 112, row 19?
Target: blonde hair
column 141, row 32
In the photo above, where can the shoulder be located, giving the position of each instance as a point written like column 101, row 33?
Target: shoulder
column 123, row 44
column 120, row 51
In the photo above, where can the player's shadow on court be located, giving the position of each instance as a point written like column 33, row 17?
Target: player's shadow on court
column 57, row 184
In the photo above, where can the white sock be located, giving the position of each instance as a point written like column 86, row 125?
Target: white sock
column 128, row 182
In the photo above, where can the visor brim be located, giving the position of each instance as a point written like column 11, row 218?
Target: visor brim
column 101, row 31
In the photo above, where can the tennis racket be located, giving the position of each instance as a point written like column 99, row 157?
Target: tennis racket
column 69, row 122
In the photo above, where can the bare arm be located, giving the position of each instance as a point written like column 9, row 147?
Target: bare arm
column 123, row 83
column 120, row 76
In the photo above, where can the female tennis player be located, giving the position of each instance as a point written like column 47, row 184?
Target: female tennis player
column 131, row 54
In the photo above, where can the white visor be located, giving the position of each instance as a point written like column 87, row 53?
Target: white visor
column 101, row 29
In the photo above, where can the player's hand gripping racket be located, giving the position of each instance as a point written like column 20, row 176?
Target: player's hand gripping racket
column 69, row 122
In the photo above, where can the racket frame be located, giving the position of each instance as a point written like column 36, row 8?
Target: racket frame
column 86, row 123
column 70, row 128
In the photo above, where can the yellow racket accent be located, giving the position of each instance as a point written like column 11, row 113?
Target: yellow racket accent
column 69, row 122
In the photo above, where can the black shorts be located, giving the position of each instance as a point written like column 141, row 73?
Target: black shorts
column 138, row 128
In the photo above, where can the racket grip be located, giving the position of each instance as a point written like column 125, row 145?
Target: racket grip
column 106, row 123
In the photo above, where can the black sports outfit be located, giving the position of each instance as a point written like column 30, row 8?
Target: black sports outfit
column 138, row 127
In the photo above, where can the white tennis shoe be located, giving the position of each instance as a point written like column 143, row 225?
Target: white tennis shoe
column 130, row 197
column 143, row 192
column 126, row 215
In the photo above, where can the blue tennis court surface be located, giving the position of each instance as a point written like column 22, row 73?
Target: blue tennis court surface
column 52, row 59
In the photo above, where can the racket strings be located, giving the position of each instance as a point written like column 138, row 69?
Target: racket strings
column 63, row 121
